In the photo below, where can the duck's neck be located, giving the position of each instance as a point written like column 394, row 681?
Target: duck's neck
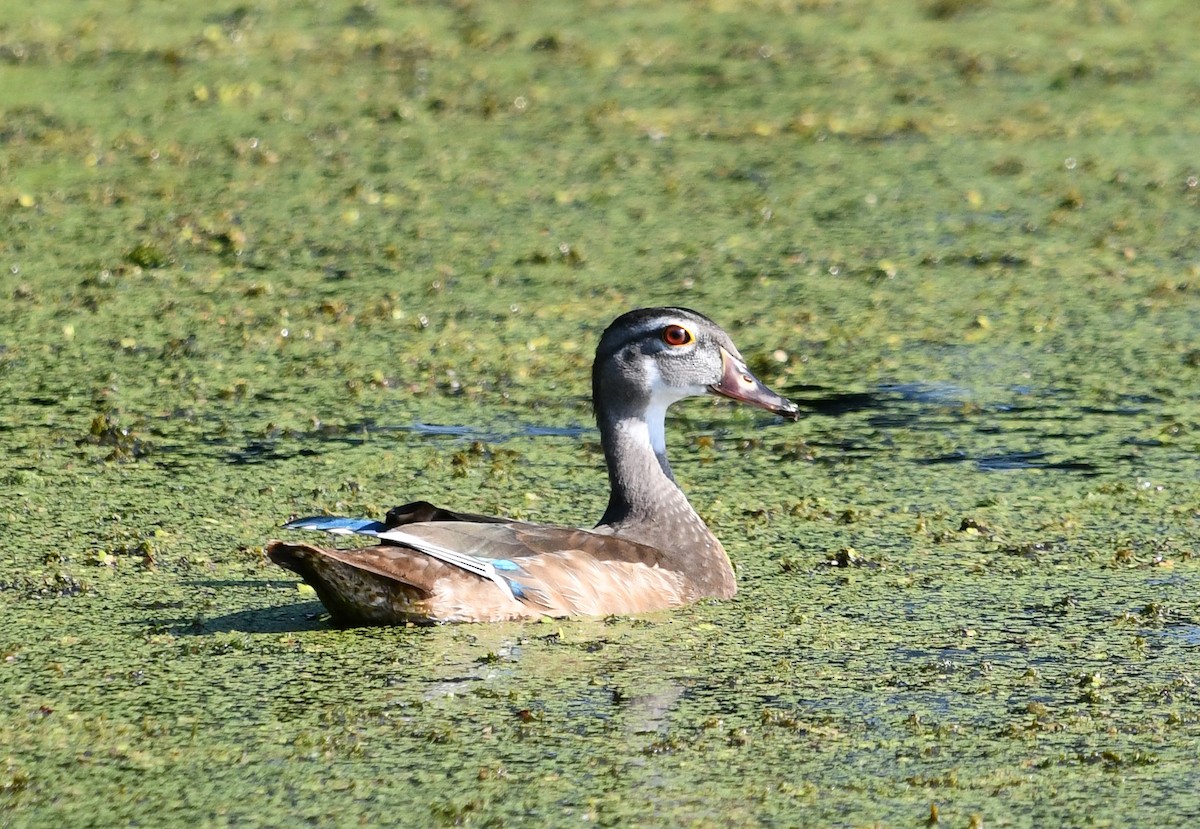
column 646, row 504
column 643, row 488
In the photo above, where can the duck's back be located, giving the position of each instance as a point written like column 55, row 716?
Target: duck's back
column 531, row 570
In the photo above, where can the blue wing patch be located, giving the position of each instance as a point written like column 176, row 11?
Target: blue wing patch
column 333, row 523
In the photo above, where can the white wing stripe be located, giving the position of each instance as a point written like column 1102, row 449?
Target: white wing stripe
column 472, row 564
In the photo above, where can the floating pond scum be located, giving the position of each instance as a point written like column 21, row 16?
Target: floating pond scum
column 268, row 259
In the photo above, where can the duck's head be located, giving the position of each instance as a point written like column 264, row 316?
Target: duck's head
column 650, row 358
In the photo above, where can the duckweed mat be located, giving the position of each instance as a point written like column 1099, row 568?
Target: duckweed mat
column 265, row 259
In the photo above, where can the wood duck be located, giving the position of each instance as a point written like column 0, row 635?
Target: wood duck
column 649, row 551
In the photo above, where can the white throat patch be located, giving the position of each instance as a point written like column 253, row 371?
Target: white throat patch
column 661, row 398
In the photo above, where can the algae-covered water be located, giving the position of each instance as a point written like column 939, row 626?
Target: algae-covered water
column 266, row 259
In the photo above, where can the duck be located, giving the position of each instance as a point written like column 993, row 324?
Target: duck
column 650, row 550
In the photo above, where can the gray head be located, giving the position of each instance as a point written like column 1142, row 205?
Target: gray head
column 652, row 357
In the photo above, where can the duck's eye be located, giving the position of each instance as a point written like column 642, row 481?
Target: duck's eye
column 676, row 335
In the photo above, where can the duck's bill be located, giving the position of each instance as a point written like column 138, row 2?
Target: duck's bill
column 739, row 383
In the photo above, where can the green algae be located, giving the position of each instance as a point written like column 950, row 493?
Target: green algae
column 248, row 251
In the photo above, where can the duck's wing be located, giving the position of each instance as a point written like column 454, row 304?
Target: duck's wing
column 468, row 558
column 390, row 584
column 471, row 571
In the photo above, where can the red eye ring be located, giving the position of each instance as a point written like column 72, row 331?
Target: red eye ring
column 676, row 335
